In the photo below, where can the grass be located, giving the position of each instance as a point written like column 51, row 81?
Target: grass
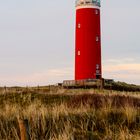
column 70, row 114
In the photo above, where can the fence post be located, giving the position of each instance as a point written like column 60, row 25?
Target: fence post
column 24, row 129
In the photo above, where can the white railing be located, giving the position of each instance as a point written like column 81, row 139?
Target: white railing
column 88, row 2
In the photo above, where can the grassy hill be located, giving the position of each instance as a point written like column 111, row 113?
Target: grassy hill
column 55, row 113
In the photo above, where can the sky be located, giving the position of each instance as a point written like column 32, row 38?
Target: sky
column 37, row 41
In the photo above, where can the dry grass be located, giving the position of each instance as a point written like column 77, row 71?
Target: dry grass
column 84, row 114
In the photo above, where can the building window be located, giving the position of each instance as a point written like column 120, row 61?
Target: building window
column 79, row 25
column 97, row 38
column 98, row 76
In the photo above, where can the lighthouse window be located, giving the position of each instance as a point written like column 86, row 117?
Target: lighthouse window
column 96, row 12
column 79, row 25
column 97, row 38
column 97, row 67
column 97, row 71
column 79, row 53
column 87, row 2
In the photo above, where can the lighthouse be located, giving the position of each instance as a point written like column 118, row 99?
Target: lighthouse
column 88, row 40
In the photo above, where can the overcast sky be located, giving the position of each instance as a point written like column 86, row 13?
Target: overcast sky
column 37, row 41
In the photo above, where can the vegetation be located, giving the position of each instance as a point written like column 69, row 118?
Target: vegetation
column 122, row 86
column 70, row 114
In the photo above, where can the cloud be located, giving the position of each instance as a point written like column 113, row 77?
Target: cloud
column 51, row 76
column 119, row 61
column 123, row 70
column 126, row 70
column 122, row 67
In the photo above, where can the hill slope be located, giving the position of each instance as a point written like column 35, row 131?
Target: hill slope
column 63, row 114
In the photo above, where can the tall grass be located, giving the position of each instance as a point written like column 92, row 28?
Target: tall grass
column 71, row 114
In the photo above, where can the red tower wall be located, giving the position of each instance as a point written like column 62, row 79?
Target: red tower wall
column 88, row 44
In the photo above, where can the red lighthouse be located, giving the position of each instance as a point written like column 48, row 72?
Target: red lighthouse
column 88, row 40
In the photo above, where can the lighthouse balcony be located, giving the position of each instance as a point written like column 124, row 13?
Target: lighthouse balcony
column 88, row 2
